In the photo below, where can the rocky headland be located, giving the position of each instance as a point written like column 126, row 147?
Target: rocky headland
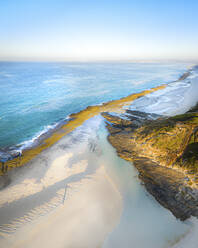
column 164, row 151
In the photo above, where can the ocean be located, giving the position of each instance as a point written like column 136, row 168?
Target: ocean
column 79, row 192
column 36, row 98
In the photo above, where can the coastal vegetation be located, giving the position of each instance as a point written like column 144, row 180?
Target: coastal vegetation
column 165, row 152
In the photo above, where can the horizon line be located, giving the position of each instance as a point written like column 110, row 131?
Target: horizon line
column 132, row 60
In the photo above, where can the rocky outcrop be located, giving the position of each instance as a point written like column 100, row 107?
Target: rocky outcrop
column 165, row 152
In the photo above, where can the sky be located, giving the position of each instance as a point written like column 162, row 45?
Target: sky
column 61, row 30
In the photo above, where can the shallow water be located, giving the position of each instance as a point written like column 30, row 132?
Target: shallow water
column 53, row 91
column 177, row 98
column 35, row 97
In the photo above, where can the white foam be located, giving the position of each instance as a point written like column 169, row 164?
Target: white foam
column 177, row 98
column 29, row 143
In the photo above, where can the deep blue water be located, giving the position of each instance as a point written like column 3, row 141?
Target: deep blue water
column 36, row 96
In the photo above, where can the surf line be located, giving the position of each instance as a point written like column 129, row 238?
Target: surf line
column 77, row 119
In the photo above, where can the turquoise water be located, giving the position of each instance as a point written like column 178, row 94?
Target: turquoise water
column 35, row 97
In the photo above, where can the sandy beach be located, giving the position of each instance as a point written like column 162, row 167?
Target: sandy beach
column 77, row 193
column 98, row 124
column 190, row 240
column 83, row 220
column 60, row 199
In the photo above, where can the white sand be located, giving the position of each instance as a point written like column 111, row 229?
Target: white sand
column 191, row 239
column 83, row 220
column 63, row 198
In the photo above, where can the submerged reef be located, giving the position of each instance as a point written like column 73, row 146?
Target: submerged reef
column 164, row 151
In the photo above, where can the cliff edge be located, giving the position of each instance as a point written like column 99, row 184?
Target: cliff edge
column 164, row 151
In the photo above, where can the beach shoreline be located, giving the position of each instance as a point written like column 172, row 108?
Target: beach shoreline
column 68, row 195
column 44, row 140
column 95, row 187
column 76, row 119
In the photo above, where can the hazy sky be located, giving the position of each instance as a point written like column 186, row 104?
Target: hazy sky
column 98, row 29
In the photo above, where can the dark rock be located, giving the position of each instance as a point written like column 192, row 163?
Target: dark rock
column 163, row 151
